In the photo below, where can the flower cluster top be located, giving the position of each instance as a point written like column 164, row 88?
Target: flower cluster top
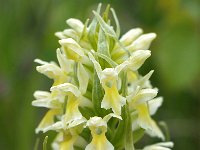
column 98, row 100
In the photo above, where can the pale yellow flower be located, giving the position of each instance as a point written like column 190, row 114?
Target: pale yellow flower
column 109, row 78
column 48, row 100
column 98, row 128
column 68, row 137
column 139, row 102
column 53, row 71
column 72, row 113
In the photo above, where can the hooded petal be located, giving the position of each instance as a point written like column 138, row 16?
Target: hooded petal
column 72, row 49
column 137, row 59
column 130, row 36
column 70, row 33
column 76, row 24
column 143, row 42
column 67, row 88
column 142, row 96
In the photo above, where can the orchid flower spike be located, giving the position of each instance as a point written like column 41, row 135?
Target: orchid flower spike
column 99, row 100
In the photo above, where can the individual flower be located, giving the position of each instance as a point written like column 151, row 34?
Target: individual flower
column 98, row 128
column 108, row 78
column 138, row 103
column 74, row 52
column 53, row 71
column 68, row 135
column 72, row 113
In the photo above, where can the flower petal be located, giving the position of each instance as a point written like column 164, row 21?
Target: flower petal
column 143, row 42
column 76, row 24
column 137, row 59
column 48, row 120
column 66, row 65
column 130, row 36
column 72, row 49
column 98, row 129
column 67, row 88
column 112, row 99
column 154, row 104
column 146, row 122
column 160, row 146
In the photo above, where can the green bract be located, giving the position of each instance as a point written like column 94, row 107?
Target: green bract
column 97, row 88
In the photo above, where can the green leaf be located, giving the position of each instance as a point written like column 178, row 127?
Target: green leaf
column 109, row 31
column 84, row 33
column 92, row 30
column 109, row 60
column 87, row 112
column 138, row 134
column 103, row 46
column 106, row 13
column 97, row 96
column 118, row 138
column 116, row 21
column 128, row 130
column 106, row 28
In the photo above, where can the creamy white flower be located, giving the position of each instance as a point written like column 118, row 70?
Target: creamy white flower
column 53, row 71
column 98, row 127
column 67, row 143
column 67, row 139
column 48, row 100
column 108, row 78
column 72, row 112
column 138, row 101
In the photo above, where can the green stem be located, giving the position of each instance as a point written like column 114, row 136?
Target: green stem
column 128, row 123
column 45, row 143
column 129, row 133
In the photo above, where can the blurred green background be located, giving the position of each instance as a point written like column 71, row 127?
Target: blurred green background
column 27, row 32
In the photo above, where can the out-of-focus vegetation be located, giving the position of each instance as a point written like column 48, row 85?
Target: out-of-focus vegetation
column 27, row 32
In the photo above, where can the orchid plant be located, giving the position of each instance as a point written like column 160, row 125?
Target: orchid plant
column 99, row 100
